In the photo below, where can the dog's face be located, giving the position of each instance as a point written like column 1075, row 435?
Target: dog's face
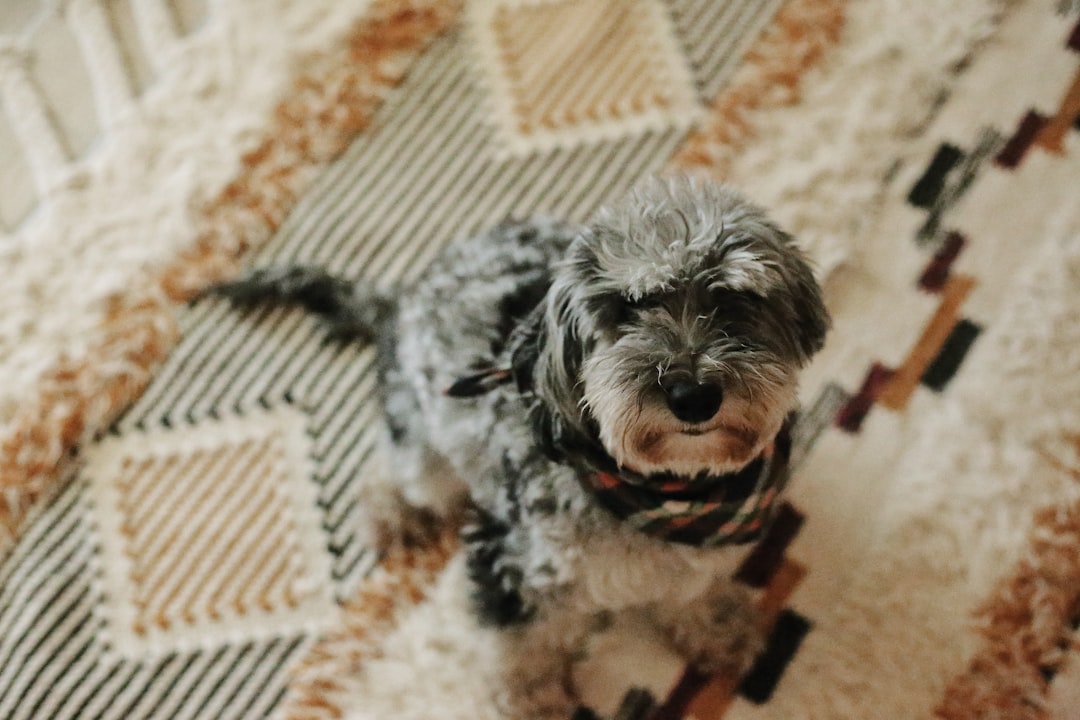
column 676, row 328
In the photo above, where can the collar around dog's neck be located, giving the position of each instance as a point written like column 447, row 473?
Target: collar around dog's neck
column 731, row 509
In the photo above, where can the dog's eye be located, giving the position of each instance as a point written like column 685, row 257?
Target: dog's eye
column 626, row 309
column 641, row 303
column 734, row 300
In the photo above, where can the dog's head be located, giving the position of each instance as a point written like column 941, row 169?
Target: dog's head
column 674, row 330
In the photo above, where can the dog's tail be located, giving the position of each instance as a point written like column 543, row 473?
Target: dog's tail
column 352, row 310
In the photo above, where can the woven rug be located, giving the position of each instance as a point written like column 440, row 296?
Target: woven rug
column 179, row 480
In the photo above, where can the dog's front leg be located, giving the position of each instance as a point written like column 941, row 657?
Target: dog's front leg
column 720, row 632
column 534, row 671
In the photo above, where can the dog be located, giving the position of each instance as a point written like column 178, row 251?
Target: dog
column 612, row 404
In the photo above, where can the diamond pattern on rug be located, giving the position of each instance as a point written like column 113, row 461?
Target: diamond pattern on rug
column 605, row 69
column 209, row 533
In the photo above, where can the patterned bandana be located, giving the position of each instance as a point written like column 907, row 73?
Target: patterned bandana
column 730, row 509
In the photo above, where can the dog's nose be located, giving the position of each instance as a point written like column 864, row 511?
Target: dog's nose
column 694, row 402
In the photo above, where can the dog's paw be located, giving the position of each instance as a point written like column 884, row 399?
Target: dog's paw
column 534, row 703
column 530, row 693
column 733, row 638
column 721, row 634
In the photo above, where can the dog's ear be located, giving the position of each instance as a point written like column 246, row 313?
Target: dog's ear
column 806, row 306
column 524, row 347
column 545, row 359
column 547, row 349
column 561, row 344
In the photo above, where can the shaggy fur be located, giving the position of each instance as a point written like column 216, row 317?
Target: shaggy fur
column 662, row 339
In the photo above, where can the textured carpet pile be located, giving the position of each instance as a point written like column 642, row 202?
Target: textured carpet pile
column 178, row 512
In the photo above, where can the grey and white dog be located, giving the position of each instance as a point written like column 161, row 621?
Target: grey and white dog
column 609, row 401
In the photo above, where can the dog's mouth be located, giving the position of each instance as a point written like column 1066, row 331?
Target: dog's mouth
column 744, row 435
column 717, row 447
